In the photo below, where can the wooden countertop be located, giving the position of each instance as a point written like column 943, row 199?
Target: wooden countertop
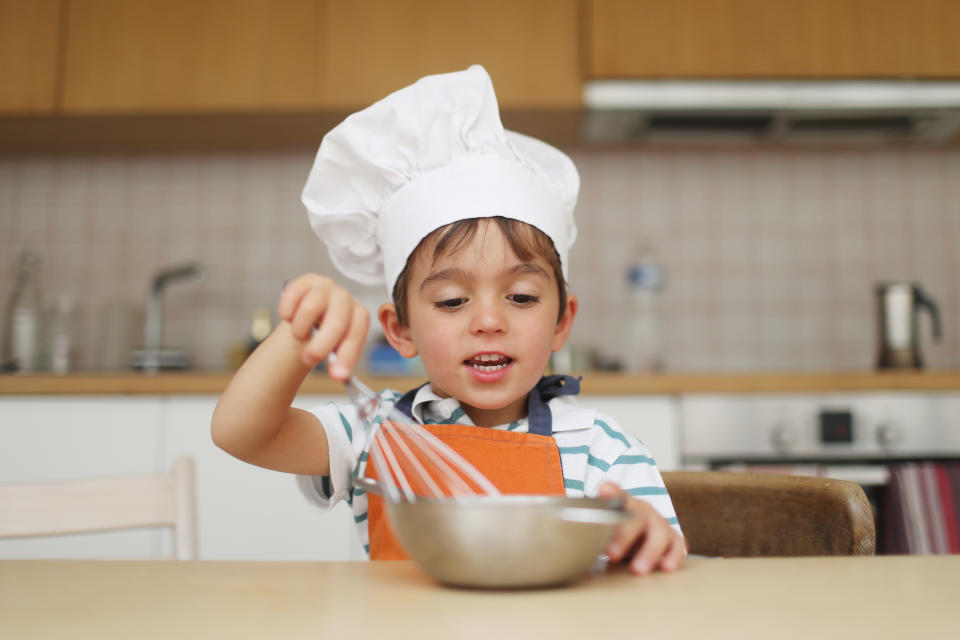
column 784, row 598
column 593, row 383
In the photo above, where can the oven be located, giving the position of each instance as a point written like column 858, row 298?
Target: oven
column 902, row 447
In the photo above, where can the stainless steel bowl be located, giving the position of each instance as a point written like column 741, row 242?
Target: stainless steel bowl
column 514, row 541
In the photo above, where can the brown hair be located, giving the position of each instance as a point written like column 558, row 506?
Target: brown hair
column 526, row 241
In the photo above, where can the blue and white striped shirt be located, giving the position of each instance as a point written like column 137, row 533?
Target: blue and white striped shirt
column 593, row 449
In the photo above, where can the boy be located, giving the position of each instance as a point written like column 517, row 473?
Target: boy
column 469, row 225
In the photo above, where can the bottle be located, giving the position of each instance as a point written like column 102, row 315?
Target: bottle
column 61, row 334
column 643, row 323
column 260, row 328
column 22, row 337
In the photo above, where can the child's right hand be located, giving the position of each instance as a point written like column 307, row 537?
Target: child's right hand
column 324, row 317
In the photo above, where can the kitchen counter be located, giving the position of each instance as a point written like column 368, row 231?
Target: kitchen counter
column 593, row 383
column 851, row 597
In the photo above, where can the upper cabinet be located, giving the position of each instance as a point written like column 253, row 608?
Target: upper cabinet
column 29, row 54
column 764, row 39
column 195, row 56
column 529, row 47
column 188, row 56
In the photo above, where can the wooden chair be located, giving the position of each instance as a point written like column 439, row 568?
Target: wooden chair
column 158, row 500
column 733, row 514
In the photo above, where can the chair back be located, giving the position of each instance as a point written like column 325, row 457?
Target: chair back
column 733, row 514
column 106, row 504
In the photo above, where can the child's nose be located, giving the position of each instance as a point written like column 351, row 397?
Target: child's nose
column 488, row 317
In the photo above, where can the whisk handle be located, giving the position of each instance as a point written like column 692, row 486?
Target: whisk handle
column 368, row 484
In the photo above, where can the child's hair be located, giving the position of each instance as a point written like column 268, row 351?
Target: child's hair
column 526, row 241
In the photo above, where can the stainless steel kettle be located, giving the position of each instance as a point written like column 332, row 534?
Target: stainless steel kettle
column 898, row 304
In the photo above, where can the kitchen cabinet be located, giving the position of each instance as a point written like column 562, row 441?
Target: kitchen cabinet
column 29, row 55
column 758, row 38
column 530, row 48
column 71, row 437
column 243, row 512
column 187, row 56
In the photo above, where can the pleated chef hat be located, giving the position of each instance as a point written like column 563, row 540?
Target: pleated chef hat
column 427, row 155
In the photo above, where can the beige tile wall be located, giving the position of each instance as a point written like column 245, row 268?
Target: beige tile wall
column 771, row 255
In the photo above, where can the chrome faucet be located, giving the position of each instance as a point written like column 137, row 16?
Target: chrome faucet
column 153, row 356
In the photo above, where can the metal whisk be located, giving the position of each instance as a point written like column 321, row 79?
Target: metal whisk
column 410, row 461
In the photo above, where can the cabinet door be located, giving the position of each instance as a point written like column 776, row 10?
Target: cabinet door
column 529, row 47
column 759, row 38
column 29, row 45
column 246, row 512
column 55, row 438
column 190, row 55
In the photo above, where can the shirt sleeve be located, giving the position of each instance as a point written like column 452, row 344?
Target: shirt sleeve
column 346, row 437
column 620, row 458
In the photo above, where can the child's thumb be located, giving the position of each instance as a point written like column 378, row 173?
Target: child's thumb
column 609, row 490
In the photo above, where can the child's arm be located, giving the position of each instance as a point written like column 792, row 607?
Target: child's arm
column 646, row 539
column 253, row 419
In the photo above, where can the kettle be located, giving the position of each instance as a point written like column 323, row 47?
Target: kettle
column 898, row 304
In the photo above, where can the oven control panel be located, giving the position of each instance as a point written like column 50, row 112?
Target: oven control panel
column 857, row 426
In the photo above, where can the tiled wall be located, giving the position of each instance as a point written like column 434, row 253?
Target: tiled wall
column 771, row 255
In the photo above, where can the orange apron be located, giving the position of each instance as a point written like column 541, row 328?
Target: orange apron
column 516, row 463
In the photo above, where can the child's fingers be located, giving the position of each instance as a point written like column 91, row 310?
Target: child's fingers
column 676, row 554
column 334, row 325
column 656, row 541
column 350, row 348
column 293, row 291
column 626, row 534
column 311, row 312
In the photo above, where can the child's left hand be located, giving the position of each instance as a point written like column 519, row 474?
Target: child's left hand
column 645, row 540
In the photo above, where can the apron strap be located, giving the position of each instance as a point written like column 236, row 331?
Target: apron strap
column 549, row 387
column 538, row 413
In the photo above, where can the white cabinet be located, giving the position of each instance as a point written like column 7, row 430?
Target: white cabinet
column 243, row 512
column 246, row 512
column 69, row 437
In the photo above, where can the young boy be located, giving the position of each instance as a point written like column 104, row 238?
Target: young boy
column 469, row 225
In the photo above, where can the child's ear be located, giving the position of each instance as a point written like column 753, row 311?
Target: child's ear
column 562, row 332
column 398, row 334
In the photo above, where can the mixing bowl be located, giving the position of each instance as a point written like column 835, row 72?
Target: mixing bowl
column 511, row 541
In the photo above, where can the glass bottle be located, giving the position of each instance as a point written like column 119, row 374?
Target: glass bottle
column 643, row 349
column 24, row 316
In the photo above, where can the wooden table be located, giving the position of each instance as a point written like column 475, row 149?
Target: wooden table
column 809, row 598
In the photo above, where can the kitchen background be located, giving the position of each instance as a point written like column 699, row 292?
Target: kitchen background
column 771, row 255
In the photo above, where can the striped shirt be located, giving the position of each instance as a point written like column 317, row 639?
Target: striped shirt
column 593, row 449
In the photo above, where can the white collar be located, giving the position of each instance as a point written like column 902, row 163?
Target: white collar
column 566, row 412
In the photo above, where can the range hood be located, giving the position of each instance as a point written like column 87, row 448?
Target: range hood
column 786, row 112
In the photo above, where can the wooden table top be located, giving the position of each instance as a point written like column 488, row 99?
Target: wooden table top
column 783, row 598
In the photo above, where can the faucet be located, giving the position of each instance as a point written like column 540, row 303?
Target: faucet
column 153, row 356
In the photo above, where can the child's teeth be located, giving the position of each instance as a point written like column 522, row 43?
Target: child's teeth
column 489, row 368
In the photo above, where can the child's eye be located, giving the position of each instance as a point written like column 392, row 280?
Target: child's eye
column 523, row 299
column 452, row 303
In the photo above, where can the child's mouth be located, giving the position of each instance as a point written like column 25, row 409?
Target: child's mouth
column 488, row 362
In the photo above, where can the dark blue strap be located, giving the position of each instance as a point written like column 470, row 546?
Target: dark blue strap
column 405, row 403
column 549, row 387
column 538, row 412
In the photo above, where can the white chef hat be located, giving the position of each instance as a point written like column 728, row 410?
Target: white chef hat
column 427, row 155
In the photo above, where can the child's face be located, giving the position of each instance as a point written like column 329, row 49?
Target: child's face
column 484, row 324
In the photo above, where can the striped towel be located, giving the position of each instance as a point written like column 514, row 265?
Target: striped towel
column 920, row 509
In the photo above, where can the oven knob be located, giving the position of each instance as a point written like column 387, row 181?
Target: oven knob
column 782, row 438
column 888, row 435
